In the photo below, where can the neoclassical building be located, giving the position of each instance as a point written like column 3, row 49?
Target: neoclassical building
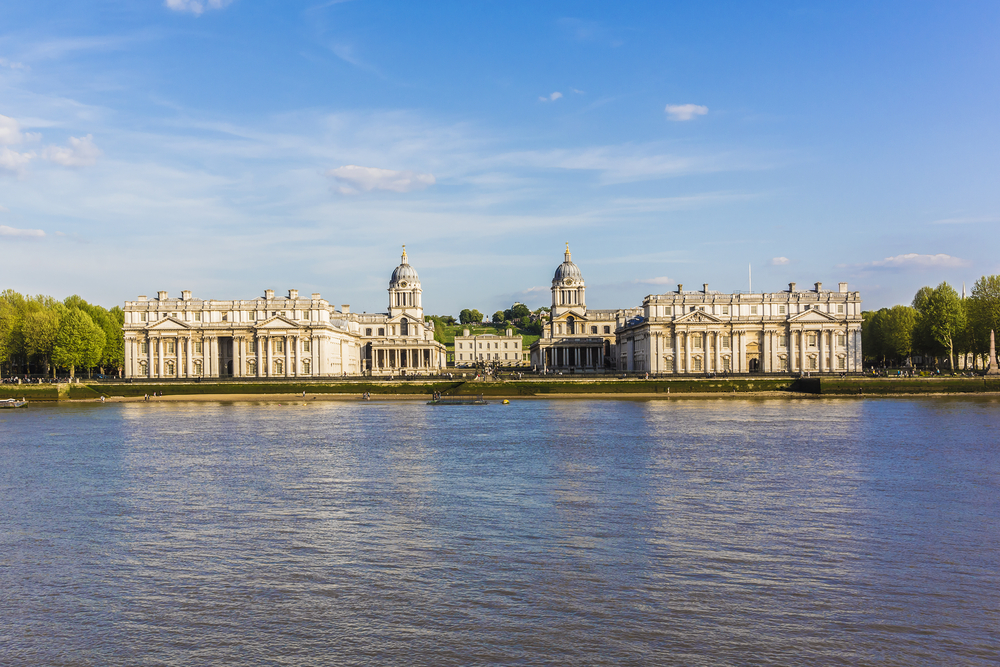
column 577, row 339
column 793, row 331
column 506, row 350
column 286, row 337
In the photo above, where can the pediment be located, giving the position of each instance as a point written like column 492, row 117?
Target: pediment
column 813, row 316
column 698, row 317
column 277, row 322
column 579, row 315
column 169, row 324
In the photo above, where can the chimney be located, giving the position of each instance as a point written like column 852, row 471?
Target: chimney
column 819, row 287
column 161, row 296
column 704, row 288
column 680, row 288
column 345, row 308
column 293, row 294
column 791, row 287
column 465, row 332
column 269, row 294
column 186, row 295
column 142, row 297
column 843, row 288
column 315, row 296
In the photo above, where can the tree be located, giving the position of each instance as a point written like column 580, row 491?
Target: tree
column 8, row 325
column 40, row 327
column 984, row 311
column 114, row 341
column 498, row 317
column 896, row 328
column 941, row 319
column 79, row 342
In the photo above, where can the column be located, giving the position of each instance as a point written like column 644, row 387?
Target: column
column 268, row 369
column 127, row 361
column 802, row 350
column 677, row 352
column 765, row 352
column 238, row 353
column 159, row 357
column 259, row 340
column 820, row 350
column 178, row 356
column 189, row 366
column 833, row 352
column 288, row 355
column 717, row 337
column 687, row 352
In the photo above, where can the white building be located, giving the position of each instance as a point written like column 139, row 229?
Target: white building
column 577, row 339
column 287, row 337
column 506, row 350
column 793, row 331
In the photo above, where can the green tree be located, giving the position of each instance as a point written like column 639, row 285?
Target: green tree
column 40, row 327
column 8, row 326
column 465, row 317
column 941, row 318
column 984, row 311
column 79, row 342
column 498, row 317
column 896, row 329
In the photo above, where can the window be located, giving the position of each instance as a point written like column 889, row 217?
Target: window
column 726, row 364
column 480, row 346
column 842, row 340
column 781, row 310
column 404, row 327
column 806, row 307
column 840, row 308
column 251, row 368
column 505, row 346
column 496, row 355
column 306, row 365
column 692, row 309
column 460, row 346
column 282, row 313
column 783, row 364
column 197, row 317
column 170, row 346
column 668, row 364
column 279, row 367
column 225, row 317
column 496, row 346
column 142, row 316
column 841, row 363
column 197, row 368
column 251, row 346
column 725, row 310
column 811, row 339
column 812, row 363
column 782, row 342
column 279, row 345
column 144, row 348
column 607, row 329
column 381, row 331
column 696, row 341
column 701, row 308
column 170, row 368
column 143, row 368
column 753, row 310
column 593, row 330
column 697, row 363
column 504, row 355
column 725, row 341
column 306, row 345
column 368, row 332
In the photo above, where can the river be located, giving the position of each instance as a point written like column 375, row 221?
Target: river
column 680, row 532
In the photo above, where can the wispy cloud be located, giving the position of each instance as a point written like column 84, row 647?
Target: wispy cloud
column 660, row 280
column 551, row 98
column 780, row 261
column 196, row 7
column 965, row 221
column 13, row 231
column 685, row 111
column 12, row 65
column 914, row 260
column 79, row 153
column 354, row 179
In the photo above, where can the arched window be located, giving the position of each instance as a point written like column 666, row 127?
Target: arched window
column 570, row 325
column 404, row 327
column 251, row 368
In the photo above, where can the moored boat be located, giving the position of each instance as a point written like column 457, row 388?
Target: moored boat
column 13, row 403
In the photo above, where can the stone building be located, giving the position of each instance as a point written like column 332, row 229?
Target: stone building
column 577, row 339
column 506, row 349
column 285, row 337
column 793, row 331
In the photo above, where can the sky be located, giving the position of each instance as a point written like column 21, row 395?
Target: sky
column 233, row 146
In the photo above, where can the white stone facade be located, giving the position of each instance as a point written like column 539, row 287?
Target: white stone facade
column 793, row 331
column 506, row 350
column 283, row 337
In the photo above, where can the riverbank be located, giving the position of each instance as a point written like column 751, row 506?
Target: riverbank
column 657, row 388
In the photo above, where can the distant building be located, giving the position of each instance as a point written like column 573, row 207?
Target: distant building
column 577, row 339
column 287, row 337
column 471, row 349
column 793, row 331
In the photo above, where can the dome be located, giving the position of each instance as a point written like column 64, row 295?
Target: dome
column 567, row 270
column 404, row 272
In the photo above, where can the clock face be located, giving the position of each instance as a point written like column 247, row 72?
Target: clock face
column 402, row 284
column 569, row 282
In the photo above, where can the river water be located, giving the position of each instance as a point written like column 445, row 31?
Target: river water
column 681, row 532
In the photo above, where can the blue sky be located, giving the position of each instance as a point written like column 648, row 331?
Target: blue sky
column 228, row 147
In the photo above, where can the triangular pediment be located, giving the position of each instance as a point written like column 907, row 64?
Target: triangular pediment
column 813, row 316
column 277, row 322
column 579, row 315
column 168, row 324
column 698, row 317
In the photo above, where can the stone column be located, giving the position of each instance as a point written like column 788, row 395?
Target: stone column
column 288, row 355
column 258, row 341
column 833, row 352
column 677, row 352
column 159, row 357
column 178, row 356
column 803, row 341
column 687, row 351
column 821, row 351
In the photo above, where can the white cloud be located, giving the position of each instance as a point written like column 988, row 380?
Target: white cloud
column 12, row 65
column 685, row 111
column 79, row 153
column 779, row 261
column 196, row 7
column 12, row 231
column 551, row 98
column 12, row 160
column 661, row 280
column 917, row 261
column 10, row 131
column 355, row 179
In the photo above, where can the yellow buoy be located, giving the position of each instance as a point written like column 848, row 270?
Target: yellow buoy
column 506, row 402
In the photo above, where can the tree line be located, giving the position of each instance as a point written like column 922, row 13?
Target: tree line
column 939, row 325
column 39, row 335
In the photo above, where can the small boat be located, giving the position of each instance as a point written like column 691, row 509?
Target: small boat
column 13, row 403
column 467, row 400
